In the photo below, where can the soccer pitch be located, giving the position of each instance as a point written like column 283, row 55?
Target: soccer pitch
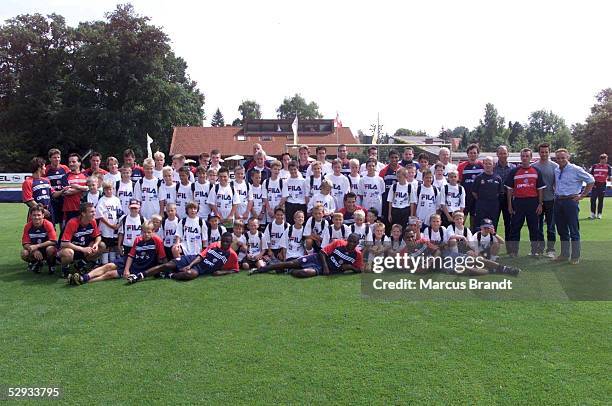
column 276, row 339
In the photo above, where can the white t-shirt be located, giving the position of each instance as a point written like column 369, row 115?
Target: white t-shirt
column 273, row 193
column 426, row 202
column 331, row 234
column 370, row 238
column 284, row 174
column 130, row 228
column 294, row 189
column 193, row 233
column 485, row 241
column 108, row 208
column 340, row 187
column 354, row 181
column 363, row 171
column 215, row 234
column 200, row 195
column 240, row 239
column 93, row 198
column 170, row 228
column 328, row 202
column 400, row 195
column 439, row 183
column 455, row 199
column 371, row 190
column 176, row 177
column 147, row 192
column 325, row 169
column 293, row 243
column 256, row 243
column 125, row 193
column 223, row 198
column 438, row 237
column 256, row 195
column 183, row 196
column 167, row 193
column 363, row 231
column 273, row 234
column 159, row 174
column 451, row 230
column 242, row 189
column 316, row 185
column 113, row 178
column 313, row 227
column 449, row 167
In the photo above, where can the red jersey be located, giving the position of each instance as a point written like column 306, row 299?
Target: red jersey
column 467, row 173
column 37, row 189
column 147, row 253
column 601, row 172
column 525, row 182
column 37, row 235
column 337, row 255
column 88, row 172
column 55, row 175
column 73, row 202
column 78, row 234
column 215, row 258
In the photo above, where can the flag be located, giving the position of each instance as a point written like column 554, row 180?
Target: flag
column 294, row 126
column 149, row 142
column 337, row 121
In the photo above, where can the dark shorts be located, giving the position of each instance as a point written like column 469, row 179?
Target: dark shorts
column 168, row 251
column 470, row 204
column 120, row 263
column 78, row 255
column 311, row 261
column 276, row 251
column 251, row 263
column 185, row 260
column 111, row 243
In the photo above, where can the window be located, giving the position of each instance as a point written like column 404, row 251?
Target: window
column 266, row 138
column 241, row 137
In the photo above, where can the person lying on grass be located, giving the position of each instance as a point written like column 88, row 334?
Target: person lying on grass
column 338, row 257
column 217, row 259
column 147, row 251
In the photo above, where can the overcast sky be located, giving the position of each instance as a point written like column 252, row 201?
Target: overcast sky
column 421, row 65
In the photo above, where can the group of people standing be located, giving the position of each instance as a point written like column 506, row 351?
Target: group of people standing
column 278, row 211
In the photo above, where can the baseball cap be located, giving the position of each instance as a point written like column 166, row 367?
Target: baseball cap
column 134, row 203
column 487, row 223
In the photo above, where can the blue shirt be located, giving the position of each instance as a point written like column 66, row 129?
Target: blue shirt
column 569, row 180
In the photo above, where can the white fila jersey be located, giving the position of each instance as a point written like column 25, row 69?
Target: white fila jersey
column 354, row 181
column 167, row 193
column 274, row 234
column 112, row 178
column 313, row 227
column 284, row 174
column 363, row 231
column 426, row 200
column 169, row 229
column 400, row 195
column 93, row 198
column 453, row 197
column 176, row 177
column 328, row 202
column 292, row 242
column 130, row 227
column 294, row 189
column 125, row 192
column 200, row 196
column 256, row 195
column 224, row 198
column 313, row 185
column 437, row 237
column 481, row 242
column 371, row 190
column 370, row 239
column 242, row 190
column 326, row 168
column 340, row 187
column 240, row 240
column 273, row 193
column 256, row 243
column 158, row 173
column 193, row 233
column 439, row 183
column 147, row 191
column 214, row 235
column 453, row 230
column 183, row 196
column 331, row 234
column 108, row 208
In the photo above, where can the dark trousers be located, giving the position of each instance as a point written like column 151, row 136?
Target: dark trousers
column 568, row 227
column 548, row 211
column 291, row 208
column 597, row 197
column 486, row 209
column 400, row 216
column 525, row 209
column 503, row 210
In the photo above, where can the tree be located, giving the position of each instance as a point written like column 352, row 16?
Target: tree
column 445, row 133
column 545, row 126
column 306, row 111
column 237, row 122
column 593, row 137
column 516, row 130
column 217, row 120
column 459, row 131
column 491, row 131
column 104, row 84
column 249, row 110
column 405, row 132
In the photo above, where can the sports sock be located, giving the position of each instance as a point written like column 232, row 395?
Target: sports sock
column 171, row 275
column 104, row 258
column 86, row 278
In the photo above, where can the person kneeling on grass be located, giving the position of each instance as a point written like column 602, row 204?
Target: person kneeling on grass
column 81, row 241
column 217, row 259
column 39, row 241
column 337, row 257
column 147, row 251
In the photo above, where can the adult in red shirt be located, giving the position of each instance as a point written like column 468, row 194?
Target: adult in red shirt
column 525, row 187
column 94, row 165
column 217, row 259
column 55, row 171
column 350, row 207
column 81, row 240
column 338, row 257
column 129, row 160
column 602, row 172
column 36, row 189
column 73, row 184
column 39, row 241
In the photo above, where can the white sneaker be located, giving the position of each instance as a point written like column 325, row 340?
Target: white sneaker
column 592, row 216
column 599, row 216
column 551, row 254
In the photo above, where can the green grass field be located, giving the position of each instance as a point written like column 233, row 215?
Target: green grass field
column 275, row 339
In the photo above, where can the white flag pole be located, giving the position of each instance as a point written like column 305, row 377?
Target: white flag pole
column 294, row 126
column 149, row 142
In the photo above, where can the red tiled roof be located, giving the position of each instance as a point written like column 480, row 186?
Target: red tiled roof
column 191, row 141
